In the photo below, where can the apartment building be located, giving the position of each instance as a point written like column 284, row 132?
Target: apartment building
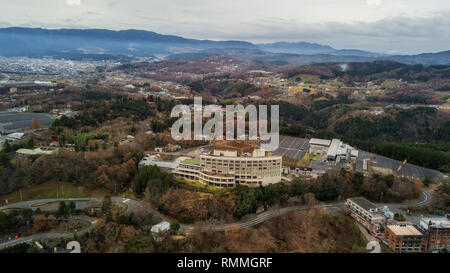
column 437, row 232
column 367, row 214
column 405, row 238
column 226, row 169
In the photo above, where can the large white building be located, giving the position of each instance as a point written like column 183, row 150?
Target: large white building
column 318, row 146
column 226, row 169
column 334, row 150
column 14, row 136
column 154, row 161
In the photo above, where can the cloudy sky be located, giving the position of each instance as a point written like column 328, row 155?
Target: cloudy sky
column 391, row 26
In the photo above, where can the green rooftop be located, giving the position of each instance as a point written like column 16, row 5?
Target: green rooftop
column 37, row 151
column 191, row 161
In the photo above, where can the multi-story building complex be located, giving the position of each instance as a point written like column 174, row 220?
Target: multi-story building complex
column 332, row 150
column 367, row 214
column 226, row 169
column 437, row 232
column 433, row 233
column 405, row 238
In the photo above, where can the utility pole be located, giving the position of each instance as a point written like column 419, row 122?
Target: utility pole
column 20, row 191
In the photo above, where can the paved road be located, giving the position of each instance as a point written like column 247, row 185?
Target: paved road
column 424, row 200
column 34, row 204
column 53, row 235
column 138, row 208
column 413, row 171
column 260, row 218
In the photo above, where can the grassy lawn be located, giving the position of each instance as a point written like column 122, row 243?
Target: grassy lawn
column 196, row 185
column 383, row 171
column 333, row 84
column 388, row 83
column 311, row 157
column 292, row 162
column 306, row 161
column 127, row 194
column 52, row 189
column 385, row 249
column 309, row 79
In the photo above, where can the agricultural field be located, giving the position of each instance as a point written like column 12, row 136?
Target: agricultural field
column 52, row 189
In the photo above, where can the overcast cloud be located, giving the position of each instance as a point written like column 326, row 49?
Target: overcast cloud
column 393, row 26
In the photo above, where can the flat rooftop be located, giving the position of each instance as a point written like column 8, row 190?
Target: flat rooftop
column 437, row 222
column 320, row 142
column 404, row 230
column 36, row 151
column 334, row 146
column 364, row 203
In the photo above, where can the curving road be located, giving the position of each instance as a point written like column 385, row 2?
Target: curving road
column 260, row 218
column 425, row 199
column 138, row 208
column 53, row 235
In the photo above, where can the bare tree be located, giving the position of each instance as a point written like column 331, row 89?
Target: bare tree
column 35, row 124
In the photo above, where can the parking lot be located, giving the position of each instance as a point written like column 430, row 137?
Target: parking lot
column 412, row 171
column 10, row 122
column 296, row 148
column 292, row 147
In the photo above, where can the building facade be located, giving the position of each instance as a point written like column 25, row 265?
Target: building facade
column 319, row 146
column 226, row 169
column 367, row 214
column 405, row 238
column 437, row 232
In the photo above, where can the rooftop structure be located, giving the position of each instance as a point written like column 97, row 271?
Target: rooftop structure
column 366, row 206
column 161, row 227
column 153, row 161
column 404, row 230
column 434, row 222
column 225, row 153
column 320, row 142
column 14, row 136
column 259, row 153
column 405, row 238
column 38, row 151
column 333, row 149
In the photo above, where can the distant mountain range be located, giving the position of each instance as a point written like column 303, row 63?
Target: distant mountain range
column 41, row 42
column 126, row 44
column 440, row 58
column 304, row 48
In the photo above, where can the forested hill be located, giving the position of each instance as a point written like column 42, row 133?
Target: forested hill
column 378, row 70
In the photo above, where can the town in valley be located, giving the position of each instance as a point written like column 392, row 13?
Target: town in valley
column 88, row 161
